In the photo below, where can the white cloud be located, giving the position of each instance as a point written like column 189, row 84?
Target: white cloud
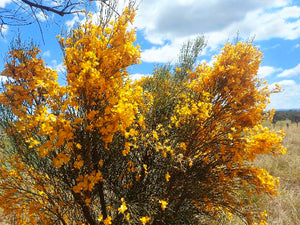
column 183, row 18
column 261, row 25
column 288, row 98
column 47, row 54
column 42, row 17
column 4, row 29
column 165, row 54
column 297, row 46
column 166, row 21
column 272, row 25
column 290, row 72
column 4, row 2
column 59, row 67
column 265, row 71
column 138, row 76
column 71, row 23
column 286, row 83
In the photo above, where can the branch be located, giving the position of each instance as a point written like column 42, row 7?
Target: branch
column 38, row 22
column 43, row 7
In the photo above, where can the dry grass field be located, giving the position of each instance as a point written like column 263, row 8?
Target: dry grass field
column 284, row 209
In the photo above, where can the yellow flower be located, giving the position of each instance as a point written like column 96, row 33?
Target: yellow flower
column 123, row 207
column 167, row 176
column 78, row 164
column 183, row 146
column 107, row 221
column 88, row 201
column 163, row 204
column 177, row 69
column 155, row 136
column 60, row 160
column 107, row 30
column 145, row 168
column 226, row 89
column 145, row 219
column 100, row 218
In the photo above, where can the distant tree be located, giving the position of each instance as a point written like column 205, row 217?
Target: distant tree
column 292, row 115
column 278, row 116
column 105, row 150
column 295, row 118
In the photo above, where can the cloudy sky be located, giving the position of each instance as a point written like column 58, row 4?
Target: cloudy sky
column 163, row 25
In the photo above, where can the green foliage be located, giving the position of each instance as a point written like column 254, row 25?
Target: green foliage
column 188, row 55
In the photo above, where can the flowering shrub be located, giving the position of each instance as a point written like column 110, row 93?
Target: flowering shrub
column 105, row 150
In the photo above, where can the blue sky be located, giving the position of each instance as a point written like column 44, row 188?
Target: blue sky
column 163, row 25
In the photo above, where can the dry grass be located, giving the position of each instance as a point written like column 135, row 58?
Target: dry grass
column 284, row 209
column 4, row 221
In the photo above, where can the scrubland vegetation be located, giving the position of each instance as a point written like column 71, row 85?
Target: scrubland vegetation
column 187, row 145
column 283, row 209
